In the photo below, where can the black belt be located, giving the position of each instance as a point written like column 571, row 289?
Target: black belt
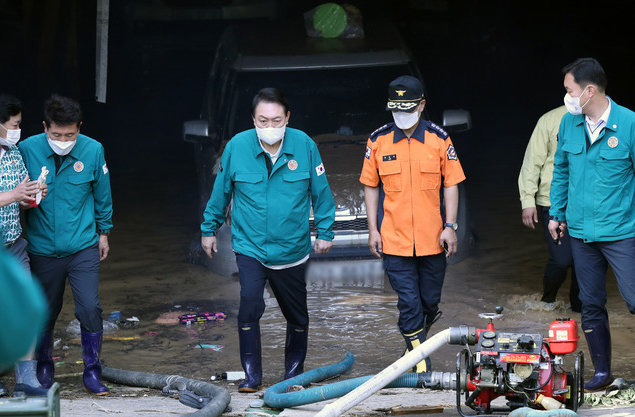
column 10, row 244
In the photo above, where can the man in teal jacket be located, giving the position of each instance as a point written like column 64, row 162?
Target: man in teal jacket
column 593, row 196
column 274, row 175
column 68, row 231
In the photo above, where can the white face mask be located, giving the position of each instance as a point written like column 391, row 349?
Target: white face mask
column 270, row 135
column 573, row 103
column 405, row 120
column 61, row 148
column 13, row 136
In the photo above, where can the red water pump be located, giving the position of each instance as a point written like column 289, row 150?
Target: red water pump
column 527, row 369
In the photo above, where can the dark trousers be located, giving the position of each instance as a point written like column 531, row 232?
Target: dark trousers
column 591, row 263
column 418, row 281
column 559, row 262
column 288, row 286
column 82, row 270
column 19, row 251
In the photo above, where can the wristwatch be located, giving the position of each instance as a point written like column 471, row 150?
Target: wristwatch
column 454, row 226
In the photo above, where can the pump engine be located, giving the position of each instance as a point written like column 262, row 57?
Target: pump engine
column 525, row 368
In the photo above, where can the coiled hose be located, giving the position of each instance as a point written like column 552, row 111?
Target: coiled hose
column 220, row 398
column 278, row 397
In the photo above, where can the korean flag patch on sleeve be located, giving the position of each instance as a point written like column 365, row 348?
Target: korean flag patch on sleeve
column 319, row 169
column 452, row 153
column 368, row 151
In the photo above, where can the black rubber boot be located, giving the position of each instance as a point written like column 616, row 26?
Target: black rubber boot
column 295, row 350
column 249, row 338
column 413, row 340
column 598, row 338
column 91, row 348
column 430, row 320
column 45, row 369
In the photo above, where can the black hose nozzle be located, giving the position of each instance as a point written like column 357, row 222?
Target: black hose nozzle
column 463, row 335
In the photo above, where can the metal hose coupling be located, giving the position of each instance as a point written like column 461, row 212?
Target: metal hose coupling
column 463, row 335
column 437, row 380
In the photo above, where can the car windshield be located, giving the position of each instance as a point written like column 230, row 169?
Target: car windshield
column 349, row 101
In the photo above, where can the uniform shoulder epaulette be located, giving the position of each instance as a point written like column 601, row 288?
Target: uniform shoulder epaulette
column 377, row 132
column 435, row 128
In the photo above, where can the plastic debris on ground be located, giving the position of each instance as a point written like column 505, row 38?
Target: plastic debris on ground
column 619, row 393
column 202, row 317
column 114, row 316
column 216, row 348
column 229, row 376
column 74, row 329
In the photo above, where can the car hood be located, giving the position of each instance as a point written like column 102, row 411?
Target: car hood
column 343, row 157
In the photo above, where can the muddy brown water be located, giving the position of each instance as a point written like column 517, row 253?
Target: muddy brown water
column 147, row 274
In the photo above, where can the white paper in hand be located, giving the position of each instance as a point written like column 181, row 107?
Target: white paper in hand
column 41, row 180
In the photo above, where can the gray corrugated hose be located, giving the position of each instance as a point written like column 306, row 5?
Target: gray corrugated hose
column 220, row 397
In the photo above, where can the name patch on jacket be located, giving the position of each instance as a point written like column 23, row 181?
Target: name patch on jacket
column 392, row 157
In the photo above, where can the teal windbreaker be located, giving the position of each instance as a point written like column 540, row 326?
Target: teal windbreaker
column 270, row 211
column 593, row 189
column 78, row 205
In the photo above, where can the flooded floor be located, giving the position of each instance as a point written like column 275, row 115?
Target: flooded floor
column 147, row 275
column 155, row 201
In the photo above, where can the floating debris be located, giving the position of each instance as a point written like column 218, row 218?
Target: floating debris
column 216, row 348
column 201, row 317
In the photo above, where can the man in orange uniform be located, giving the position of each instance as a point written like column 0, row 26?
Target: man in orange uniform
column 405, row 165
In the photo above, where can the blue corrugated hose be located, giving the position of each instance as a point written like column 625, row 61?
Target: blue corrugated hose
column 278, row 397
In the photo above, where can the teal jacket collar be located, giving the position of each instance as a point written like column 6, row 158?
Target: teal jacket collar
column 611, row 123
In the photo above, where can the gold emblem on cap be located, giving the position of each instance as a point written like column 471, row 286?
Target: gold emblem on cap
column 400, row 93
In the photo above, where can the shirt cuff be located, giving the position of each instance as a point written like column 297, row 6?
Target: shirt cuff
column 527, row 202
column 328, row 236
column 557, row 215
column 207, row 233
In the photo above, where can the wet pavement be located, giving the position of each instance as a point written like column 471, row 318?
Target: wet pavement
column 140, row 403
column 153, row 90
column 147, row 275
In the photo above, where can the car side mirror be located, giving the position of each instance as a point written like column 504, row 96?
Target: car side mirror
column 197, row 131
column 456, row 121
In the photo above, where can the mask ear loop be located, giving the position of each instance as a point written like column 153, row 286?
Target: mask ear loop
column 587, row 102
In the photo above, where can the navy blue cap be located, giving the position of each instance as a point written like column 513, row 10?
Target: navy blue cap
column 404, row 94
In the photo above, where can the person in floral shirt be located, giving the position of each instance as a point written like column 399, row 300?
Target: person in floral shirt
column 16, row 190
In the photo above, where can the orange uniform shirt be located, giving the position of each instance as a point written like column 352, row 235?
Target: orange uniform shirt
column 409, row 173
